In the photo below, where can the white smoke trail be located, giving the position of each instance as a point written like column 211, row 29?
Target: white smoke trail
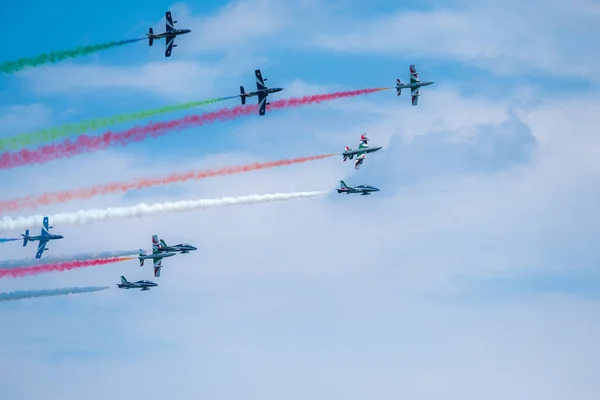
column 30, row 294
column 145, row 210
column 31, row 262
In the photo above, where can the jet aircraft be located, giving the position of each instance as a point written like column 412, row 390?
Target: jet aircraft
column 361, row 152
column 44, row 237
column 262, row 92
column 364, row 190
column 156, row 257
column 143, row 285
column 169, row 34
column 414, row 85
column 162, row 247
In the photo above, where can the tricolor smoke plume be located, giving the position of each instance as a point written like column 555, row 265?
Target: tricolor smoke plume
column 144, row 210
column 32, row 262
column 55, row 56
column 84, row 143
column 64, row 266
column 31, row 294
column 48, row 135
column 32, row 202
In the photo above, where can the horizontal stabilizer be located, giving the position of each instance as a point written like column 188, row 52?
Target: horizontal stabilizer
column 150, row 37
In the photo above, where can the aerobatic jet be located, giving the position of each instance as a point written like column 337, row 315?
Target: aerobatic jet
column 169, row 34
column 364, row 190
column 156, row 257
column 262, row 91
column 361, row 152
column 414, row 85
column 143, row 285
column 162, row 247
column 44, row 237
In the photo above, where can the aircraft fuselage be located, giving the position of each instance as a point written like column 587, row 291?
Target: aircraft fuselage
column 413, row 85
column 153, row 256
column 360, row 151
column 175, row 32
column 50, row 236
column 263, row 91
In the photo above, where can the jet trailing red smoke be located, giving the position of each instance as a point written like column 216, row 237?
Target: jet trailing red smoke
column 85, row 144
column 63, row 266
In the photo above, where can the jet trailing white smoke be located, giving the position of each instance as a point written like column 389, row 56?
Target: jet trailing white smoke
column 31, row 294
column 144, row 210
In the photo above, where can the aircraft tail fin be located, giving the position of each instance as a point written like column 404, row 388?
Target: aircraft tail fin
column 343, row 184
column 124, row 280
column 25, row 237
column 150, row 36
column 162, row 243
column 242, row 93
column 398, row 88
column 142, row 253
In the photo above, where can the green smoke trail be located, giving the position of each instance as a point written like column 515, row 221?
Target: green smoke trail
column 47, row 135
column 55, row 56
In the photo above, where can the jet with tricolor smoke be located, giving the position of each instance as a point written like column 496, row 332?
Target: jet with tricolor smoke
column 32, row 294
column 64, row 196
column 56, row 56
column 144, row 210
column 85, row 144
column 47, row 135
column 61, row 266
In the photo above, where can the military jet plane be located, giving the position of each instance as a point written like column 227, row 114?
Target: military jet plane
column 143, row 285
column 364, row 190
column 156, row 257
column 361, row 152
column 414, row 85
column 162, row 247
column 44, row 237
column 262, row 92
column 169, row 34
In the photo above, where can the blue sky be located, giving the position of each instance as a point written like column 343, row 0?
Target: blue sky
column 472, row 274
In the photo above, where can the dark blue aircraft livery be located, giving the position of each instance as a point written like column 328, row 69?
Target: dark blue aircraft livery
column 44, row 237
column 169, row 34
column 262, row 91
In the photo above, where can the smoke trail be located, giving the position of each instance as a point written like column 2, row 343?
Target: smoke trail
column 55, row 56
column 4, row 240
column 32, row 202
column 143, row 210
column 47, row 135
column 85, row 143
column 30, row 262
column 64, row 266
column 31, row 294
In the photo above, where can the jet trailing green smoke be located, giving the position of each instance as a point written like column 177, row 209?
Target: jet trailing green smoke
column 56, row 56
column 47, row 135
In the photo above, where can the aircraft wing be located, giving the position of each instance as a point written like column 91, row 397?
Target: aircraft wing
column 260, row 83
column 359, row 161
column 414, row 95
column 169, row 45
column 45, row 227
column 157, row 267
column 414, row 75
column 41, row 248
column 169, row 24
column 262, row 100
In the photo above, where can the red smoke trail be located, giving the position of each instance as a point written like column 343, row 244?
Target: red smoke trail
column 63, row 266
column 86, row 143
column 86, row 193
